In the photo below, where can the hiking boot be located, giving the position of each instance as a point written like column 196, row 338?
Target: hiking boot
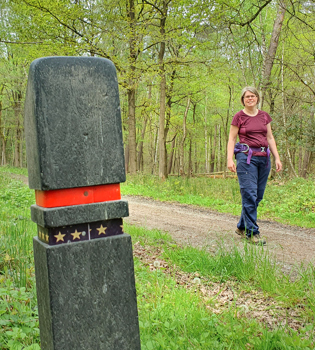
column 256, row 239
column 240, row 232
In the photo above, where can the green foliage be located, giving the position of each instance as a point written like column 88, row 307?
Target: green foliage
column 14, row 170
column 16, row 230
column 18, row 318
column 290, row 202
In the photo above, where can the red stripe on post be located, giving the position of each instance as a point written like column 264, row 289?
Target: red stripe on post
column 76, row 196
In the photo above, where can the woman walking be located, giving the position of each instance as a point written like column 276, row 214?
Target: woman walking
column 252, row 154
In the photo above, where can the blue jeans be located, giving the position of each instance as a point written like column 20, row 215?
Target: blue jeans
column 252, row 179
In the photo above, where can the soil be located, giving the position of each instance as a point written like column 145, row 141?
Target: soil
column 204, row 228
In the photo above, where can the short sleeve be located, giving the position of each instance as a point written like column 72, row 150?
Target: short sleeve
column 267, row 118
column 236, row 121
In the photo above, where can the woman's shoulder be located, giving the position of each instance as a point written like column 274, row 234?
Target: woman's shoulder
column 238, row 119
column 265, row 115
column 239, row 114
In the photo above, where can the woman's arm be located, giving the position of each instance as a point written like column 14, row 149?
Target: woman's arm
column 273, row 148
column 230, row 149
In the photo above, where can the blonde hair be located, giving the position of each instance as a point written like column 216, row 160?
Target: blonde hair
column 252, row 90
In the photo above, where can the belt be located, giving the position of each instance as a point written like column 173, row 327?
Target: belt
column 243, row 147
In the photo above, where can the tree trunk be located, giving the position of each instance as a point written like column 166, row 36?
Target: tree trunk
column 213, row 146
column 219, row 149
column 17, row 146
column 190, row 170
column 156, row 147
column 17, row 97
column 140, row 151
column 162, row 148
column 132, row 143
column 284, row 118
column 127, row 158
column 306, row 162
column 206, row 140
column 270, row 55
column 169, row 102
column 182, row 145
column 170, row 160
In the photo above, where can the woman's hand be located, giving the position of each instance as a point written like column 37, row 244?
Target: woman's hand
column 273, row 148
column 230, row 151
column 278, row 165
column 231, row 165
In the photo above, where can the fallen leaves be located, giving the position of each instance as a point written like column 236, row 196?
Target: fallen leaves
column 220, row 297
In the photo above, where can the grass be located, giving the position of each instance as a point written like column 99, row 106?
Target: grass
column 184, row 302
column 171, row 314
column 18, row 303
column 291, row 202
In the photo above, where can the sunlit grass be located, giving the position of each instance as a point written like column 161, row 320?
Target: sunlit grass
column 172, row 315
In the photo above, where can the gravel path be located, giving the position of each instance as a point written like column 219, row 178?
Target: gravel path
column 202, row 227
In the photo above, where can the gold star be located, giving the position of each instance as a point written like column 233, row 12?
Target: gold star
column 47, row 237
column 60, row 237
column 101, row 230
column 76, row 234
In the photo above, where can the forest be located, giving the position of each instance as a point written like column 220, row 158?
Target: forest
column 181, row 67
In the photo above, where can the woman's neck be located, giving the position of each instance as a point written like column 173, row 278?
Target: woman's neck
column 252, row 111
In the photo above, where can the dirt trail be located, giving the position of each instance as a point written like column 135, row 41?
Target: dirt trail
column 200, row 227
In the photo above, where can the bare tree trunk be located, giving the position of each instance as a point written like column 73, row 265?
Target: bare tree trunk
column 181, row 154
column 213, row 153
column 263, row 47
column 170, row 160
column 140, row 151
column 17, row 146
column 2, row 135
column 284, row 118
column 219, row 148
column 127, row 158
column 300, row 160
column 132, row 144
column 176, row 163
column 162, row 147
column 196, row 159
column 270, row 56
column 132, row 90
column 190, row 170
column 156, row 143
column 206, row 140
column 17, row 97
column 306, row 162
column 169, row 102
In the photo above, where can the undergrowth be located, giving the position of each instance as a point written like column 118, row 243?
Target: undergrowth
column 186, row 319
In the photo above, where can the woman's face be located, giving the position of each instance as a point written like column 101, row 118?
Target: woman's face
column 250, row 99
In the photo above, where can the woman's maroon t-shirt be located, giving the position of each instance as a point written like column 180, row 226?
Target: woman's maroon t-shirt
column 252, row 130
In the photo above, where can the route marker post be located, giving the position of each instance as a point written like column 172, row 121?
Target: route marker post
column 83, row 259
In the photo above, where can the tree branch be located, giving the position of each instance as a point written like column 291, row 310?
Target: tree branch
column 242, row 24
